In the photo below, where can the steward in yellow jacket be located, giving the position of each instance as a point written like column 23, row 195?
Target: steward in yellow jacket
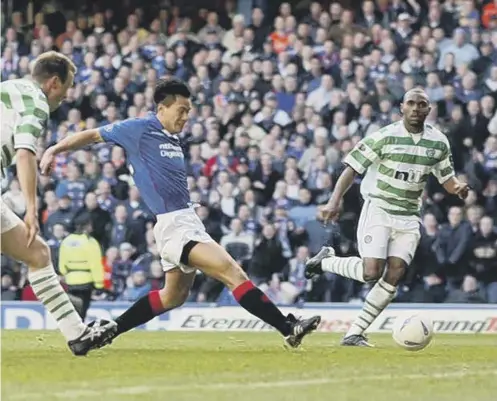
column 80, row 262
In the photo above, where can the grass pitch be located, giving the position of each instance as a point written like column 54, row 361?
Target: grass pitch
column 153, row 366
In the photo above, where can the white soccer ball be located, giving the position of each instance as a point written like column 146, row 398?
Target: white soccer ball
column 413, row 332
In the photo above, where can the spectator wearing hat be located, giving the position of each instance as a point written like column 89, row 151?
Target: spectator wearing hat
column 80, row 262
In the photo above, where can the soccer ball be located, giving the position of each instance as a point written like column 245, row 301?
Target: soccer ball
column 413, row 333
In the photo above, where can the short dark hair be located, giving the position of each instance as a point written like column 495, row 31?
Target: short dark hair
column 51, row 64
column 170, row 88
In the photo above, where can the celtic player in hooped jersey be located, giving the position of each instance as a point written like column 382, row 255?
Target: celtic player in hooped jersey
column 397, row 161
column 24, row 109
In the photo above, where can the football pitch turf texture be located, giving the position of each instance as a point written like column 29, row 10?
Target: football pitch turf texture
column 153, row 366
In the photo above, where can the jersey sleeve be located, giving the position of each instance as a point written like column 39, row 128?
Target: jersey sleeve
column 444, row 169
column 124, row 133
column 366, row 152
column 32, row 123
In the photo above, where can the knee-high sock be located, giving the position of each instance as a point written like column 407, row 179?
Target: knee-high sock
column 48, row 290
column 351, row 267
column 142, row 311
column 376, row 301
column 258, row 304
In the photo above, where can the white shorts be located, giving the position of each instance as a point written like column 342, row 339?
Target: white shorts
column 381, row 235
column 9, row 219
column 173, row 231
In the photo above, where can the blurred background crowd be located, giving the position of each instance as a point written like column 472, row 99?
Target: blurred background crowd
column 282, row 91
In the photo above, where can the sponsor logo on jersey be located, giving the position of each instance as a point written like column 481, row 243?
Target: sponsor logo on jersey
column 171, row 151
column 412, row 176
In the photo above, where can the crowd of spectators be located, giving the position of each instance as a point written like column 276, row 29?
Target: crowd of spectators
column 278, row 103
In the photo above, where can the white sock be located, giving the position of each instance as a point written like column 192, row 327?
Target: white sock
column 48, row 290
column 351, row 267
column 378, row 299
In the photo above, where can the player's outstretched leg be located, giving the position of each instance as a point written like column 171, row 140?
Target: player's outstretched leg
column 46, row 286
column 326, row 261
column 173, row 295
column 367, row 270
column 215, row 262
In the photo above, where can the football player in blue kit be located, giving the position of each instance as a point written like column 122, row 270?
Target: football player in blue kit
column 156, row 161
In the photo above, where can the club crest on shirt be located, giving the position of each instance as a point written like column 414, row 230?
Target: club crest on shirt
column 430, row 153
column 368, row 239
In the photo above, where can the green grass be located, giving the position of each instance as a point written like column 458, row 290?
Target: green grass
column 156, row 366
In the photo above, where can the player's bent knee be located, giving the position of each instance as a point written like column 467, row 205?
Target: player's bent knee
column 39, row 255
column 395, row 271
column 373, row 269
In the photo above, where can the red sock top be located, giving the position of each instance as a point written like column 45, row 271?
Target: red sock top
column 155, row 302
column 242, row 289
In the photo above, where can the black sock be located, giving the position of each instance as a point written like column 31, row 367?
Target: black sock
column 258, row 304
column 142, row 311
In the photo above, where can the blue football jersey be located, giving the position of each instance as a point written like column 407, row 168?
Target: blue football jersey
column 156, row 161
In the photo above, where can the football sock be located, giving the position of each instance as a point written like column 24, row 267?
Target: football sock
column 48, row 290
column 142, row 311
column 258, row 304
column 351, row 267
column 378, row 299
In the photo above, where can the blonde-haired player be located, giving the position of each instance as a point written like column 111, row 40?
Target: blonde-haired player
column 24, row 111
column 397, row 160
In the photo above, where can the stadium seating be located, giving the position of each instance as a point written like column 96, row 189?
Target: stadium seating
column 279, row 100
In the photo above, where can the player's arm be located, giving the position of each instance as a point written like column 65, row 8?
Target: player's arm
column 119, row 133
column 444, row 171
column 365, row 153
column 29, row 129
column 343, row 184
column 76, row 141
column 27, row 175
column 456, row 187
column 69, row 143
